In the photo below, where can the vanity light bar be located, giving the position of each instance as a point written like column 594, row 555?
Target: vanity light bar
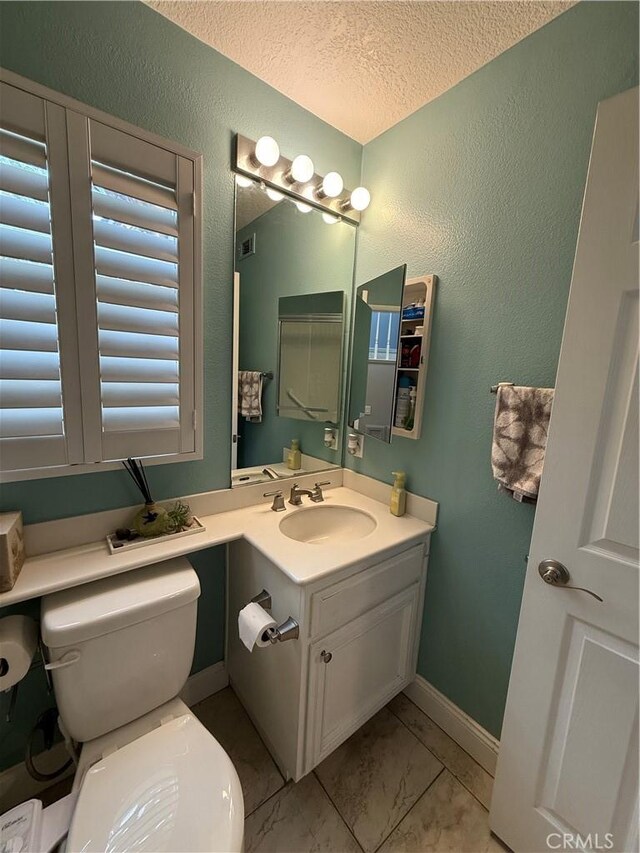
column 263, row 162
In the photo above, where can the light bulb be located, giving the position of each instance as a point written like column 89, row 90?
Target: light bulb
column 243, row 181
column 303, row 208
column 267, row 152
column 329, row 219
column 331, row 186
column 302, row 169
column 274, row 195
column 360, row 198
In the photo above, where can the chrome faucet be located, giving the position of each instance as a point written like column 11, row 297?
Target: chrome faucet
column 278, row 501
column 315, row 494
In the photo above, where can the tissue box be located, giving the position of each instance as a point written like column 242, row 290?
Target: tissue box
column 11, row 549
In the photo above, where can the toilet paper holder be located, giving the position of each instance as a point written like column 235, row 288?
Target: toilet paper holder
column 288, row 630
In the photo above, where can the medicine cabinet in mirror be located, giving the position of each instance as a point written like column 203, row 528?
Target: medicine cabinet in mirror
column 292, row 294
column 390, row 345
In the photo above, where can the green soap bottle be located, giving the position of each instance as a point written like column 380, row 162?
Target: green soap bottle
column 398, row 494
column 294, row 459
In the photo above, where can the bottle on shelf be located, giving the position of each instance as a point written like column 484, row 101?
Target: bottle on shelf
column 294, row 457
column 403, row 397
column 410, row 418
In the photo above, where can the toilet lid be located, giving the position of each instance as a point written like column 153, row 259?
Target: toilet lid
column 173, row 789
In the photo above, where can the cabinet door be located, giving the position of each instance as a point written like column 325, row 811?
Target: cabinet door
column 356, row 670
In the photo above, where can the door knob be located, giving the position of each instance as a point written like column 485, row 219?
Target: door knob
column 326, row 656
column 555, row 574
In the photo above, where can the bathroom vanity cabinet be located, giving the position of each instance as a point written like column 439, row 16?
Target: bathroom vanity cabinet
column 357, row 648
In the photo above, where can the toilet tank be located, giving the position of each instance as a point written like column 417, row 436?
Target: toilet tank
column 122, row 646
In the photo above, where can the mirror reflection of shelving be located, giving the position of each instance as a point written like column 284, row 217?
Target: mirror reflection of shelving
column 415, row 328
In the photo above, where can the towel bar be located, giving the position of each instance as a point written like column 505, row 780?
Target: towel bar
column 494, row 388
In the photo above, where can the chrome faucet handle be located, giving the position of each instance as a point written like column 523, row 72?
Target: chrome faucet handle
column 278, row 501
column 317, row 496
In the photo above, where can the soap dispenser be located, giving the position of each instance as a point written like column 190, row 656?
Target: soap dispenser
column 294, row 457
column 398, row 494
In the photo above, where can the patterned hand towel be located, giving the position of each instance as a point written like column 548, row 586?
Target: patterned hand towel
column 250, row 395
column 520, row 429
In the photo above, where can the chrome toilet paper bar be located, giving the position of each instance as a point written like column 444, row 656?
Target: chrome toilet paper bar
column 288, row 630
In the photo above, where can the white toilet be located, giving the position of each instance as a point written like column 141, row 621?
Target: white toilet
column 150, row 776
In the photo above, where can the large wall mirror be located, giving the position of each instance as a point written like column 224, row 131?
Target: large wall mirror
column 292, row 291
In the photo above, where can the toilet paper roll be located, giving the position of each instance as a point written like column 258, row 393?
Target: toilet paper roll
column 253, row 621
column 18, row 643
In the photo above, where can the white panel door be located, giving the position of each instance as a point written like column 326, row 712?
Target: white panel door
column 567, row 775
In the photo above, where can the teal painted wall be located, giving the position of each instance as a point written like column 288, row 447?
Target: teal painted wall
column 483, row 187
column 126, row 59
column 295, row 253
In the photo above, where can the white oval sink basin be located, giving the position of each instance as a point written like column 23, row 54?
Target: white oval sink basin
column 324, row 525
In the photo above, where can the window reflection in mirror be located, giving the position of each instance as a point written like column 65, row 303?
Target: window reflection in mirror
column 376, row 335
column 293, row 283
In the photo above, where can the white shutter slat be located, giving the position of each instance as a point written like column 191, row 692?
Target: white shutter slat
column 134, row 211
column 22, row 112
column 141, row 418
column 127, row 184
column 25, row 275
column 138, row 370
column 20, row 243
column 21, row 148
column 23, row 212
column 19, row 335
column 136, row 294
column 15, row 178
column 132, row 154
column 23, row 394
column 29, row 365
column 127, row 319
column 35, row 451
column 116, row 394
column 34, row 307
column 132, row 345
column 138, row 241
column 21, row 423
column 122, row 265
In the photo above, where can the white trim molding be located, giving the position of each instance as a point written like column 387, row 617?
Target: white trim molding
column 205, row 683
column 16, row 785
column 466, row 732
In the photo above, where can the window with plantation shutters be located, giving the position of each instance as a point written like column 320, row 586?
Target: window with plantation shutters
column 98, row 290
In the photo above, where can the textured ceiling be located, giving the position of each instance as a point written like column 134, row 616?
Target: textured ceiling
column 361, row 66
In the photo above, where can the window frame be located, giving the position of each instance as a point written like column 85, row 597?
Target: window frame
column 64, row 102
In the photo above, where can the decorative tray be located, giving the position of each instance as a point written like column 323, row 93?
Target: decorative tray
column 117, row 546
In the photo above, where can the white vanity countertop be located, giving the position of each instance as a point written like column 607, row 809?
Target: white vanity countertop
column 303, row 562
column 300, row 561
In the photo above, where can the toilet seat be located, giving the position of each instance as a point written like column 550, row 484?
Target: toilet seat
column 173, row 789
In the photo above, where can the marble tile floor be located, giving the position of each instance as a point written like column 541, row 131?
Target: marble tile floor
column 398, row 785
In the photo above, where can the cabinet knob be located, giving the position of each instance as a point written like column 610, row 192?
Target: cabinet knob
column 326, row 656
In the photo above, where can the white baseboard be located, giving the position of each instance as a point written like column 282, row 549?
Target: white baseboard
column 205, row 683
column 16, row 785
column 466, row 732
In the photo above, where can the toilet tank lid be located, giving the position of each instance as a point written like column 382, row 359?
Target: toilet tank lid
column 98, row 608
